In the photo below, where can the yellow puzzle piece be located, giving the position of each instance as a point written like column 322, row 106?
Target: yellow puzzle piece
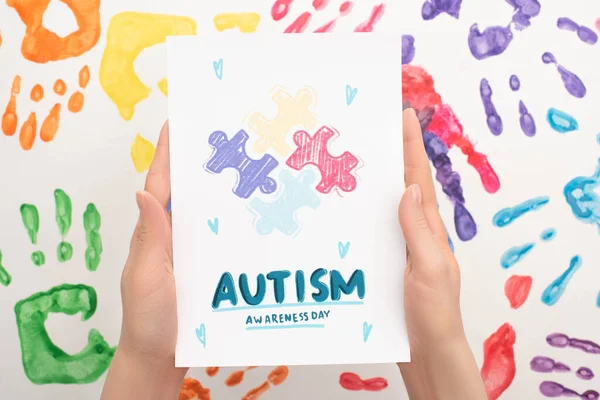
column 291, row 112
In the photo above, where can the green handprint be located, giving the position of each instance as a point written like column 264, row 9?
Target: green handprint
column 5, row 277
column 64, row 251
column 43, row 361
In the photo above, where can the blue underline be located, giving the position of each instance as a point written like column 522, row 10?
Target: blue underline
column 310, row 304
column 271, row 327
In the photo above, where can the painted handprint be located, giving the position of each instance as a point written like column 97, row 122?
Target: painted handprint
column 64, row 250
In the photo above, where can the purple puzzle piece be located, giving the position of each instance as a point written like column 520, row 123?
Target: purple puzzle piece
column 252, row 174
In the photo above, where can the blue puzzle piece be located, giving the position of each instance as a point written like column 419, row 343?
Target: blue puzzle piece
column 298, row 192
column 252, row 174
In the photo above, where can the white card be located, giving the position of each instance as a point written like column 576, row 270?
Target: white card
column 286, row 173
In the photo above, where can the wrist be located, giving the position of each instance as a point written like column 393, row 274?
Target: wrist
column 134, row 375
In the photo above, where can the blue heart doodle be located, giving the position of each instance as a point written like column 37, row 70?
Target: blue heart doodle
column 350, row 94
column 218, row 67
column 366, row 331
column 343, row 249
column 201, row 335
column 213, row 224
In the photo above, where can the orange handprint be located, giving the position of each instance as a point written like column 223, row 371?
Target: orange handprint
column 41, row 45
column 49, row 127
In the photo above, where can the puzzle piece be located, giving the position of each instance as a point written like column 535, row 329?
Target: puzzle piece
column 252, row 174
column 291, row 112
column 335, row 171
column 297, row 193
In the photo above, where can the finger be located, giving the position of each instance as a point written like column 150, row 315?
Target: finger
column 150, row 245
column 417, row 170
column 158, row 180
column 421, row 243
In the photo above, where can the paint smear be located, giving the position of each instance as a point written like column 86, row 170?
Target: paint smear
column 128, row 34
column 548, row 234
column 494, row 121
column 91, row 225
column 556, row 289
column 246, row 22
column 41, row 45
column 498, row 370
column 580, row 194
column 64, row 209
column 517, row 290
column 560, row 340
column 163, row 86
column 10, row 118
column 51, row 123
column 375, row 16
column 526, row 120
column 585, row 373
column 433, row 8
column 37, row 93
column 60, row 87
column 508, row 215
column 560, row 121
column 76, row 102
column 192, row 389
column 84, row 77
column 515, row 83
column 353, row 382
column 515, row 254
column 5, row 278
column 142, row 153
column 28, row 132
column 572, row 83
column 212, row 371
column 585, row 34
column 418, row 92
column 43, row 361
column 554, row 389
column 547, row 364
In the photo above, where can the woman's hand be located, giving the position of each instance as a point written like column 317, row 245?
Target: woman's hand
column 144, row 363
column 442, row 365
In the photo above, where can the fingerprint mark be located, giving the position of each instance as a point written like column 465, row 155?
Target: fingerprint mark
column 37, row 93
column 27, row 134
column 84, row 77
column 76, row 102
column 10, row 119
column 256, row 392
column 60, row 88
column 212, row 371
column 50, row 124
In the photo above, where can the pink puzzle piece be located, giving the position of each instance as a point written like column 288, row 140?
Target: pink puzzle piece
column 335, row 171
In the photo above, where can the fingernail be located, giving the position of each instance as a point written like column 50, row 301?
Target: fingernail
column 415, row 192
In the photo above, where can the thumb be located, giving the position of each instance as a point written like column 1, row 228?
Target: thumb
column 153, row 230
column 420, row 241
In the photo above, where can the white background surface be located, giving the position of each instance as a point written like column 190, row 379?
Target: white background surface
column 90, row 160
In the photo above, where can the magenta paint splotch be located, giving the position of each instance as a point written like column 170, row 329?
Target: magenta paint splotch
column 526, row 120
column 554, row 389
column 561, row 340
column 584, row 33
column 547, row 364
column 433, row 8
column 572, row 83
column 493, row 120
column 585, row 373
